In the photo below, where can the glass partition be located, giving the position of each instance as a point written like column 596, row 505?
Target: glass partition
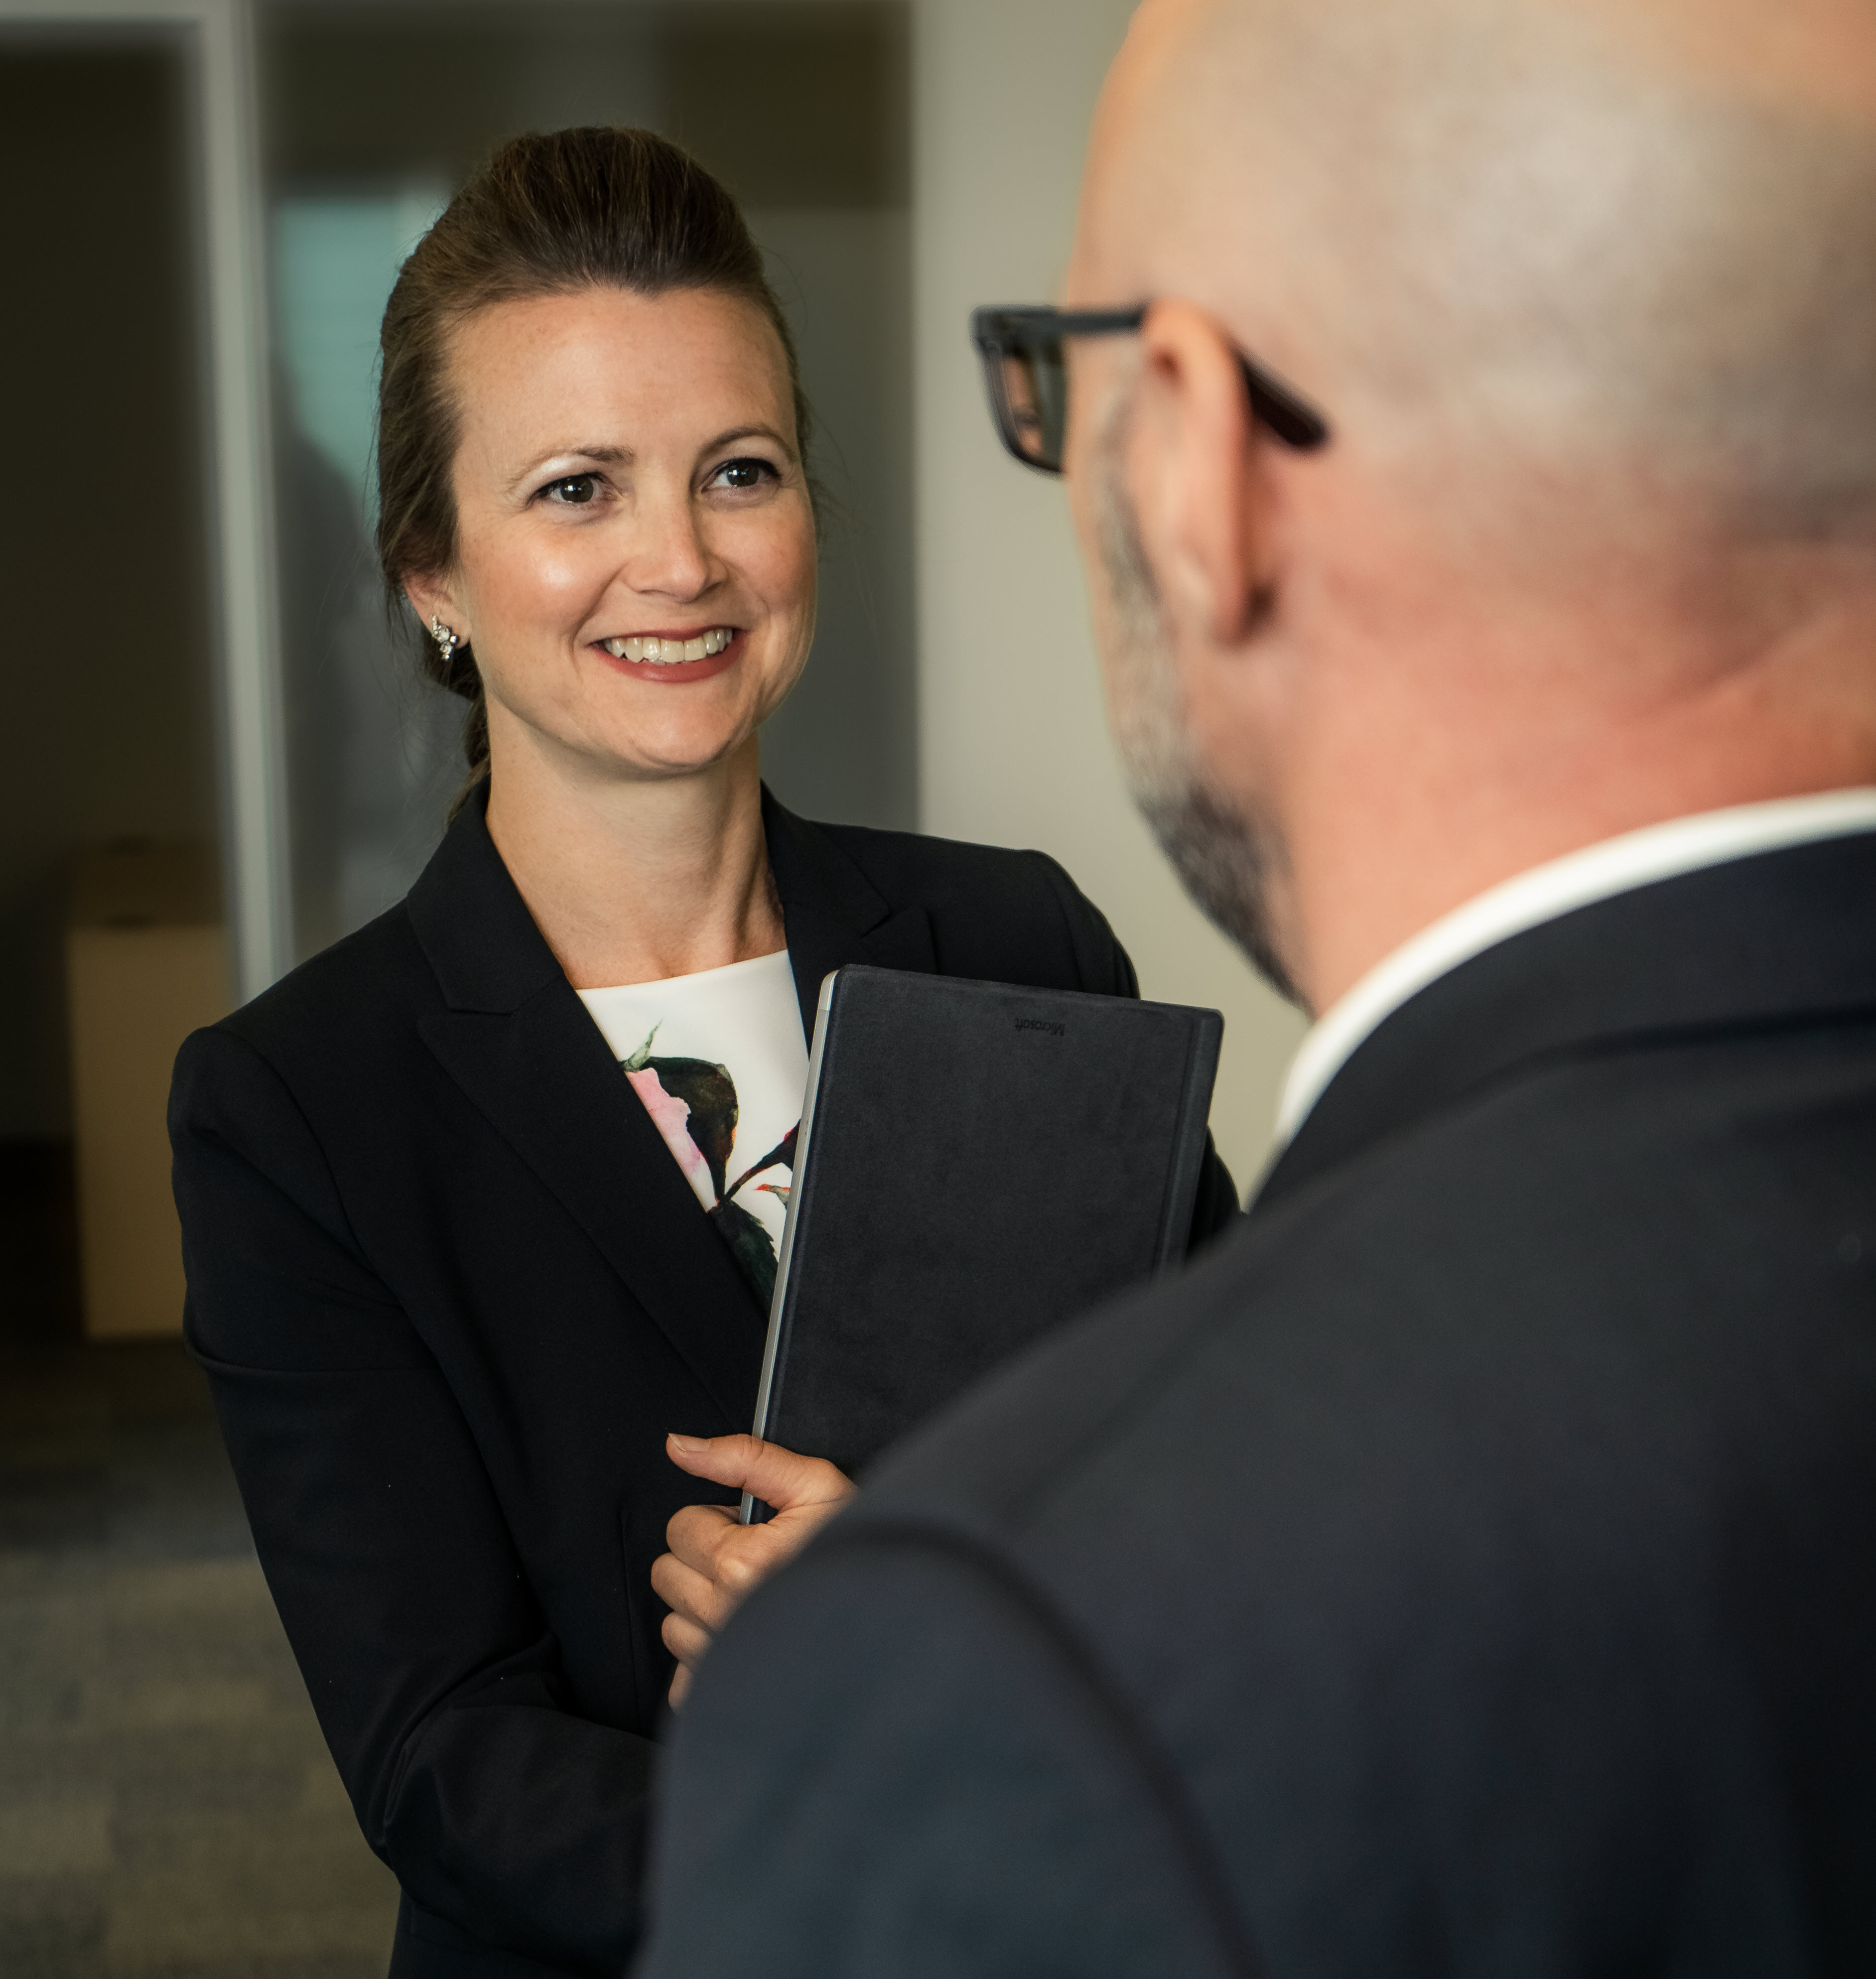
column 371, row 746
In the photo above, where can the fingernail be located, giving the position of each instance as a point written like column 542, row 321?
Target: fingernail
column 690, row 1445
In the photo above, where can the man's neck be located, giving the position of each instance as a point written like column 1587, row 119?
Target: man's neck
column 1405, row 821
column 1580, row 878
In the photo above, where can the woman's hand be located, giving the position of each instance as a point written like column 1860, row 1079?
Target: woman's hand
column 713, row 1562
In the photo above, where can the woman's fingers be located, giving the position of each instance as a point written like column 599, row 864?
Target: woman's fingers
column 694, row 1534
column 714, row 1561
column 688, row 1592
column 685, row 1639
column 777, row 1477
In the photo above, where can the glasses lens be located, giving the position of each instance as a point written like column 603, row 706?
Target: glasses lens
column 1028, row 383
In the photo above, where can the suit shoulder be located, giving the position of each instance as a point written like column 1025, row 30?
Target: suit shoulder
column 370, row 981
column 905, row 862
column 998, row 912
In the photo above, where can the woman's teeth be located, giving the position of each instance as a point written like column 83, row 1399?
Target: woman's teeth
column 671, row 652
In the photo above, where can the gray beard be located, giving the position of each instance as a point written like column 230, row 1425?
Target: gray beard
column 1222, row 860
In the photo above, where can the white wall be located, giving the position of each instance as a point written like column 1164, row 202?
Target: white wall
column 1013, row 743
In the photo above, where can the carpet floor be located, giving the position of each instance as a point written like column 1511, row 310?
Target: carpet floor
column 167, row 1807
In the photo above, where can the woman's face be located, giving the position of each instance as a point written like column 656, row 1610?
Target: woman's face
column 636, row 546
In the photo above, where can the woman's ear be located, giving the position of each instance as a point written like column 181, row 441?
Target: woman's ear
column 431, row 598
column 1200, row 479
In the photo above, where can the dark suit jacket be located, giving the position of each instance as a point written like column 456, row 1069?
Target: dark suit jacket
column 451, row 1291
column 1468, row 1567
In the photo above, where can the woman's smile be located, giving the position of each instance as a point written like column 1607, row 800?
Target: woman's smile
column 671, row 658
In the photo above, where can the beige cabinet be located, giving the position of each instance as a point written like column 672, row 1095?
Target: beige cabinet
column 146, row 962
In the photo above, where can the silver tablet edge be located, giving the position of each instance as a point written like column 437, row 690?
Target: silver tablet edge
column 822, row 1005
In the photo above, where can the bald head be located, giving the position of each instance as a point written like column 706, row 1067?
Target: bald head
column 1560, row 230
column 1586, row 290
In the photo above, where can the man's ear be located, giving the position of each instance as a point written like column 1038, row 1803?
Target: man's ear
column 1198, row 469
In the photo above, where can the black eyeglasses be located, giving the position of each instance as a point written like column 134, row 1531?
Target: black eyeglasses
column 1029, row 380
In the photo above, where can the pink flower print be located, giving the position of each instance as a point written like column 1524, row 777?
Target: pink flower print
column 671, row 1116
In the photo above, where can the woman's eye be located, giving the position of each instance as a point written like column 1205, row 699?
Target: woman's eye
column 570, row 488
column 744, row 474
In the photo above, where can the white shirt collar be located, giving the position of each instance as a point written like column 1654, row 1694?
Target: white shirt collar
column 1597, row 873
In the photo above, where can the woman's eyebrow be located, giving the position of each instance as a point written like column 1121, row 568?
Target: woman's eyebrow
column 747, row 433
column 607, row 456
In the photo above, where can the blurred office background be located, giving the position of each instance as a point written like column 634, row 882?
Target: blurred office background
column 222, row 758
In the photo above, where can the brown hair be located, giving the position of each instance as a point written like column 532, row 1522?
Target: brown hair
column 549, row 213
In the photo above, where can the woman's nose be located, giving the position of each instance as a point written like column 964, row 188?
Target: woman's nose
column 668, row 556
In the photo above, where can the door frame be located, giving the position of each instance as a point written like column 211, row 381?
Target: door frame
column 218, row 40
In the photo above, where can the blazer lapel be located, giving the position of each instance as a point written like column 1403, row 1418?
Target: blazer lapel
column 519, row 1042
column 832, row 913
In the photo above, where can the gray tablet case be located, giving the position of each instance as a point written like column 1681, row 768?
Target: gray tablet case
column 976, row 1164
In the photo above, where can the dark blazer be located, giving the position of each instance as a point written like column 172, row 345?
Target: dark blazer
column 1468, row 1567
column 451, row 1291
